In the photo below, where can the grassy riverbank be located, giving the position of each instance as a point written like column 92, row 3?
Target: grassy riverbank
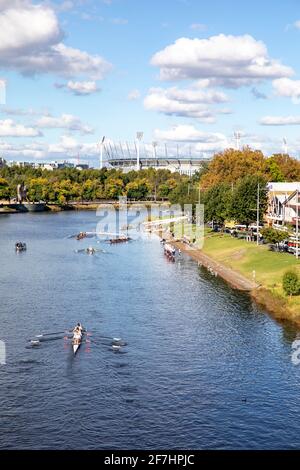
column 245, row 266
column 259, row 264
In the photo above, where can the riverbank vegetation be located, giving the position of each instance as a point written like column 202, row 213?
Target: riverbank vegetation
column 227, row 185
column 65, row 185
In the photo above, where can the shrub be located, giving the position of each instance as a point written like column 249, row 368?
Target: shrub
column 290, row 283
column 272, row 235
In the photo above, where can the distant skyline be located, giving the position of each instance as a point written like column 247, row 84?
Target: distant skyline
column 186, row 72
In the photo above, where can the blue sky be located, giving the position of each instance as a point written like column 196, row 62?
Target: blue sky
column 187, row 72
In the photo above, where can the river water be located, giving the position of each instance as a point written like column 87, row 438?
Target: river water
column 204, row 368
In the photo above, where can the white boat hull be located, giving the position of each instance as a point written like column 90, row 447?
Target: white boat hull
column 76, row 345
column 75, row 348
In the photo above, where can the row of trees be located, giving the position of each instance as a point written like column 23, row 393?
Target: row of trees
column 227, row 185
column 239, row 202
column 64, row 185
column 232, row 165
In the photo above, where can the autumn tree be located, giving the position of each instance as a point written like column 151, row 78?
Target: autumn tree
column 137, row 189
column 114, row 187
column 4, row 189
column 288, row 166
column 231, row 165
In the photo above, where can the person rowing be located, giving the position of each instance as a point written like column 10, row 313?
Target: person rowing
column 77, row 333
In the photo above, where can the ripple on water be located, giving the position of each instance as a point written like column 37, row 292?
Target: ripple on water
column 203, row 367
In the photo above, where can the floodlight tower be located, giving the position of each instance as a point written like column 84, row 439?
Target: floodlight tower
column 154, row 145
column 101, row 152
column 284, row 146
column 139, row 136
column 237, row 136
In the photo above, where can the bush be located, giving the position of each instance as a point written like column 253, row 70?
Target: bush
column 290, row 283
column 272, row 235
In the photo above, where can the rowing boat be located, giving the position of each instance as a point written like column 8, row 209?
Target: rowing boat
column 76, row 342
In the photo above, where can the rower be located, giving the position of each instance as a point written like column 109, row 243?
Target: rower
column 77, row 333
column 78, row 327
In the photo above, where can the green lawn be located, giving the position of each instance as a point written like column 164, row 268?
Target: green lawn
column 247, row 257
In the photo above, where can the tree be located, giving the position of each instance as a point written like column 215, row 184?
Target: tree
column 184, row 193
column 165, row 189
column 4, row 189
column 272, row 235
column 232, row 165
column 289, row 167
column 114, row 188
column 244, row 200
column 217, row 201
column 273, row 170
column 137, row 189
column 290, row 283
column 36, row 189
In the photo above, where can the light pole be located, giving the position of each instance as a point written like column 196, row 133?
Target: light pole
column 154, row 145
column 297, row 224
column 257, row 219
column 139, row 136
column 101, row 152
column 237, row 136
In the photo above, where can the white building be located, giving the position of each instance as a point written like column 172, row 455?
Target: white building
column 283, row 204
column 43, row 165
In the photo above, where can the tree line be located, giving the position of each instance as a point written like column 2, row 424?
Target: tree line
column 227, row 185
column 69, row 184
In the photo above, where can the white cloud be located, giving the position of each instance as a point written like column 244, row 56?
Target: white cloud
column 24, row 26
column 8, row 128
column 187, row 133
column 80, row 88
column 297, row 24
column 30, row 42
column 134, row 95
column 231, row 61
column 69, row 146
column 188, row 102
column 65, row 121
column 192, row 139
column 287, row 88
column 280, row 121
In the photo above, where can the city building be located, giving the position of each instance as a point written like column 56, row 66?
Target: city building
column 282, row 203
column 2, row 162
column 43, row 165
column 82, row 166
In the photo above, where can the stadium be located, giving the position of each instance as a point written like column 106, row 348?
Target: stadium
column 137, row 156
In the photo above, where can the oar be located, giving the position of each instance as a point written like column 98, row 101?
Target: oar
column 51, row 334
column 109, row 337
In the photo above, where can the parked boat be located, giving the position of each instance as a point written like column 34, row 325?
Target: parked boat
column 20, row 246
column 169, row 250
column 121, row 239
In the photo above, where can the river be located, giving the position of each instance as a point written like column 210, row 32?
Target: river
column 203, row 368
